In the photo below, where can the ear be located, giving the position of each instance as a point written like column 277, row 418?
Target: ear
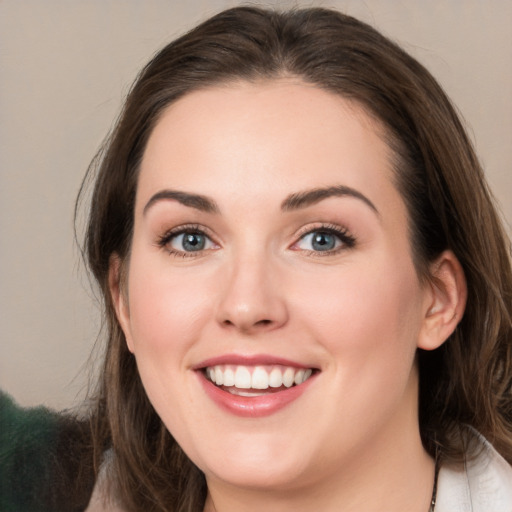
column 445, row 301
column 118, row 292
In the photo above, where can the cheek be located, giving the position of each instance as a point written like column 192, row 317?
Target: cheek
column 167, row 310
column 368, row 324
column 168, row 314
column 368, row 311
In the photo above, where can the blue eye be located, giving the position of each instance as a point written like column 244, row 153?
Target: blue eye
column 324, row 240
column 319, row 241
column 186, row 241
column 189, row 242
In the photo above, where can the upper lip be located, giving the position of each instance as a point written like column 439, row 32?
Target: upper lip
column 250, row 360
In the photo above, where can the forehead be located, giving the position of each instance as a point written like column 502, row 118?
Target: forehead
column 264, row 139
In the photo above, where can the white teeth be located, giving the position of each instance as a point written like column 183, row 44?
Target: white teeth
column 240, row 392
column 229, row 377
column 299, row 376
column 219, row 376
column 275, row 379
column 242, row 378
column 288, row 377
column 257, row 377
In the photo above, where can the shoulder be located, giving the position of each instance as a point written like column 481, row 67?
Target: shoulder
column 483, row 483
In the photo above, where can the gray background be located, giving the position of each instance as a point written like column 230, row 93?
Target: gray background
column 64, row 68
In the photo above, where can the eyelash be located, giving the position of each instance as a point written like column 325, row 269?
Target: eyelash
column 195, row 229
column 347, row 240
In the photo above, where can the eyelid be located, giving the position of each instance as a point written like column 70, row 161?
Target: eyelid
column 342, row 233
column 164, row 240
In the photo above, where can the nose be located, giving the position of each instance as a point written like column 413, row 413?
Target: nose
column 252, row 300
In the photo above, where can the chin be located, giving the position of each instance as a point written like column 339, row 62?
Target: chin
column 256, row 475
column 255, row 464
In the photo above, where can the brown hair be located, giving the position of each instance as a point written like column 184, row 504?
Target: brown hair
column 468, row 380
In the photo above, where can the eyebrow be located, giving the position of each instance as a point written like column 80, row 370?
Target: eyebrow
column 293, row 202
column 309, row 197
column 197, row 201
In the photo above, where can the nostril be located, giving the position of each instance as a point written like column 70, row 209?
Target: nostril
column 247, row 326
column 263, row 322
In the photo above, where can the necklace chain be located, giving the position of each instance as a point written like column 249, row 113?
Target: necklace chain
column 434, row 489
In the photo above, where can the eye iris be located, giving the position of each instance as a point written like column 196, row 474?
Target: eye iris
column 193, row 242
column 323, row 241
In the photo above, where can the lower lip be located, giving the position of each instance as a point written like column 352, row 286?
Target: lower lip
column 253, row 407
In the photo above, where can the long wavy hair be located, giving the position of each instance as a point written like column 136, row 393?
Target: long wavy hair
column 467, row 381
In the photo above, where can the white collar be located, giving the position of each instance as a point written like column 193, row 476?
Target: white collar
column 480, row 484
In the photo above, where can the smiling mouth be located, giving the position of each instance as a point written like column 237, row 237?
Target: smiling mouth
column 251, row 381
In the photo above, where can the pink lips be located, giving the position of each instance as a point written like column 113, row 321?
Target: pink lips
column 254, row 406
column 258, row 360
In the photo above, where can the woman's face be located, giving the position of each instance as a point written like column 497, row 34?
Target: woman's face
column 270, row 254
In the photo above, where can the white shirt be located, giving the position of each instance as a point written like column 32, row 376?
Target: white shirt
column 480, row 484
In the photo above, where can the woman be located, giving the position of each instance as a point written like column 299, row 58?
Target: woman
column 307, row 287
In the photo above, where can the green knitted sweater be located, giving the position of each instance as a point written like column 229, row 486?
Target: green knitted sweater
column 45, row 460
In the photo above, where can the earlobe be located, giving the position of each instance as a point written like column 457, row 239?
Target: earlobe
column 119, row 297
column 445, row 301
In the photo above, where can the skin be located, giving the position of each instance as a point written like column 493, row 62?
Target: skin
column 357, row 313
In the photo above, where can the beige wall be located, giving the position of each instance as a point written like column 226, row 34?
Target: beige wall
column 64, row 66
